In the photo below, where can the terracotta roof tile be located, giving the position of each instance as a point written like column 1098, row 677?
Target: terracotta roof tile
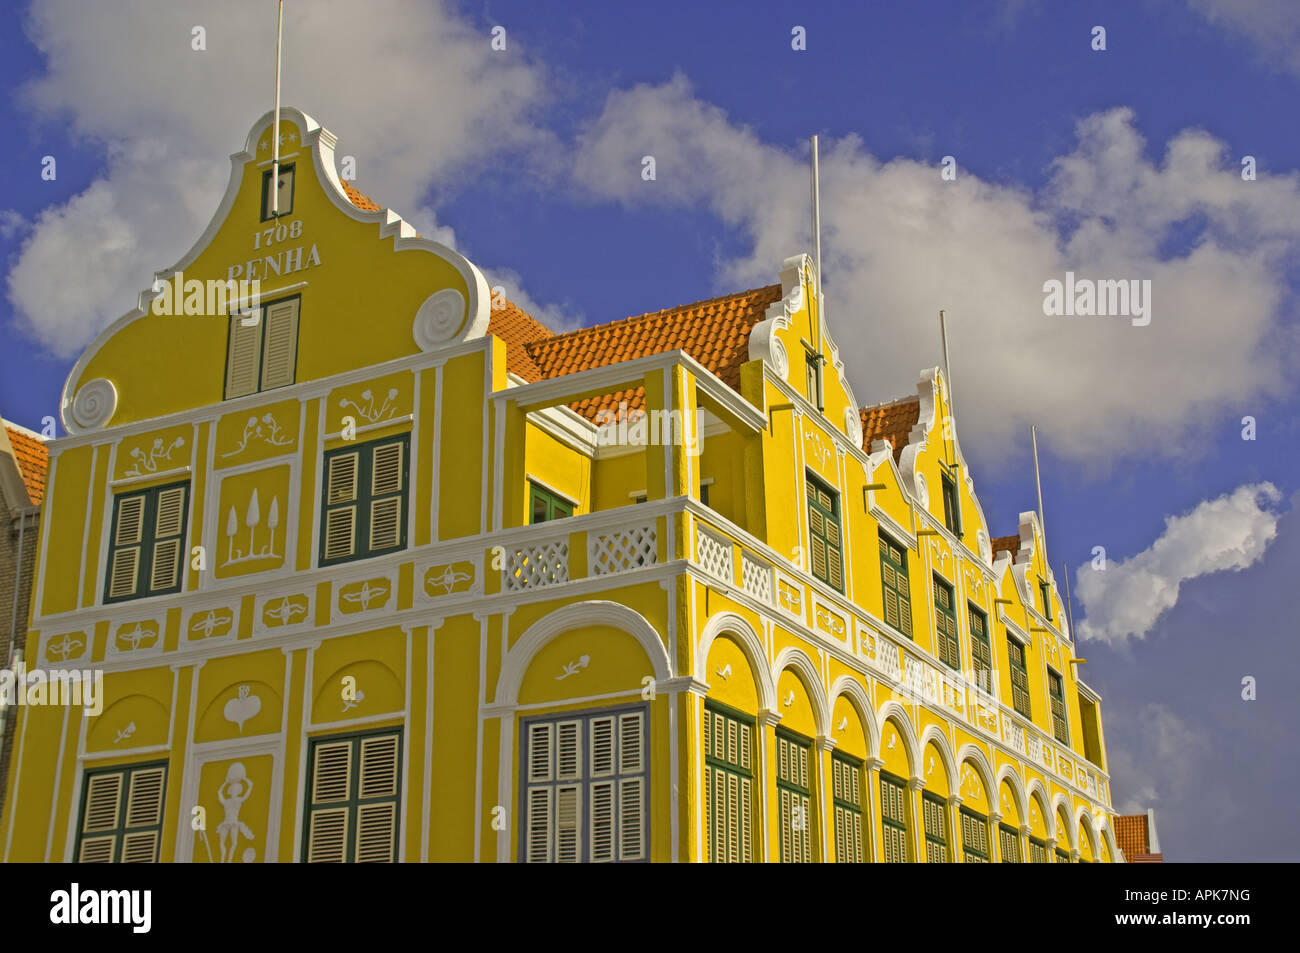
column 33, row 461
column 518, row 329
column 1007, row 544
column 892, row 421
column 360, row 199
column 1131, row 834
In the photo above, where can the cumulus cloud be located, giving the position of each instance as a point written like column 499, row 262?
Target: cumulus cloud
column 1230, row 532
column 1272, row 25
column 416, row 95
column 899, row 243
column 1157, row 758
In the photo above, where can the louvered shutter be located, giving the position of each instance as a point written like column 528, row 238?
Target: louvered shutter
column 539, row 751
column 568, row 807
column 243, row 356
column 280, row 350
column 103, row 802
column 376, row 833
column 128, row 539
column 342, row 479
column 341, row 522
column 539, row 826
column 169, row 524
column 568, row 762
column 385, row 523
column 386, row 471
column 602, row 747
column 379, row 757
column 602, row 821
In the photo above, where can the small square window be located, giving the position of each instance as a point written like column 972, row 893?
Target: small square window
column 285, row 193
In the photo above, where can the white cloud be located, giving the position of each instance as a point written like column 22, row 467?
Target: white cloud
column 1230, row 532
column 1157, row 758
column 1272, row 25
column 416, row 95
column 899, row 244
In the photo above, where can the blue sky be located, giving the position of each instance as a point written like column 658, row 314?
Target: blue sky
column 1123, row 163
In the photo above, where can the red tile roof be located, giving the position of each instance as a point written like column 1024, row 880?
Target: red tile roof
column 1008, row 544
column 360, row 199
column 33, row 460
column 518, row 329
column 1132, row 836
column 892, row 421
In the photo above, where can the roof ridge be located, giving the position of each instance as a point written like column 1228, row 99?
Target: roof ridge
column 889, row 403
column 23, row 430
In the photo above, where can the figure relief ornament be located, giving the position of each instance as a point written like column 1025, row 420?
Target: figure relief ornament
column 146, row 462
column 231, row 794
column 438, row 319
column 94, row 404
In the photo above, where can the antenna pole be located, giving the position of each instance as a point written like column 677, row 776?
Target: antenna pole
column 817, row 260
column 1042, row 526
column 1069, row 604
column 947, row 373
column 275, row 126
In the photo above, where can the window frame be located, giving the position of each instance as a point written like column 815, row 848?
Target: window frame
column 812, row 485
column 553, row 501
column 149, row 539
column 981, row 857
column 951, row 502
column 353, row 803
column 940, row 843
column 263, row 310
column 1038, row 853
column 1045, row 592
column 292, row 168
column 1014, row 645
column 888, row 823
column 747, row 800
column 947, row 647
column 122, row 828
column 1007, row 832
column 981, row 647
column 813, row 378
column 848, row 811
column 364, row 499
column 1060, row 720
column 886, row 545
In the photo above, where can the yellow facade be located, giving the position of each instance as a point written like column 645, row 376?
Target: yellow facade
column 482, row 686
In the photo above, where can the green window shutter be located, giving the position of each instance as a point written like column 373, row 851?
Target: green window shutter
column 893, row 575
column 1045, row 593
column 147, row 543
column 981, row 653
column 353, row 798
column 585, row 788
column 729, row 780
column 945, row 623
column 121, row 815
column 1062, row 857
column 243, row 356
column 1019, row 676
column 935, row 816
column 1057, row 698
column 893, row 816
column 1037, row 851
column 1009, row 844
column 795, row 797
column 850, row 832
column 951, row 505
column 975, row 837
column 365, row 499
column 824, row 534
column 545, row 506
column 280, row 344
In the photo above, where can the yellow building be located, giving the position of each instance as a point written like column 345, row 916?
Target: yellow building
column 378, row 568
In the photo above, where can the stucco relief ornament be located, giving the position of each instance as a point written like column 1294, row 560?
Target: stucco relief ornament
column 572, row 668
column 94, row 404
column 439, row 318
column 853, row 425
column 922, row 491
column 780, row 359
column 240, row 709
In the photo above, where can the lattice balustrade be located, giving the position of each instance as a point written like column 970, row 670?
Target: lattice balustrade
column 716, row 557
column 756, row 579
column 530, row 567
column 622, row 550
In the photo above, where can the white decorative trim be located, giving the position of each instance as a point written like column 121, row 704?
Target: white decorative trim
column 93, row 406
column 438, row 319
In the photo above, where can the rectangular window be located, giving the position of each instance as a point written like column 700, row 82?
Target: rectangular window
column 262, row 354
column 704, row 493
column 824, row 534
column 974, row 837
column 1062, row 857
column 121, row 815
column 586, row 787
column 893, row 817
column 1009, row 844
column 813, row 378
column 353, row 794
column 980, row 652
column 544, row 506
column 792, row 754
column 850, row 829
column 946, row 645
column 285, row 188
column 935, row 812
column 893, row 577
column 1045, row 592
column 728, row 784
column 1019, row 676
column 1056, row 695
column 1037, row 851
column 1091, row 732
column 364, row 499
column 951, row 506
column 146, row 548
